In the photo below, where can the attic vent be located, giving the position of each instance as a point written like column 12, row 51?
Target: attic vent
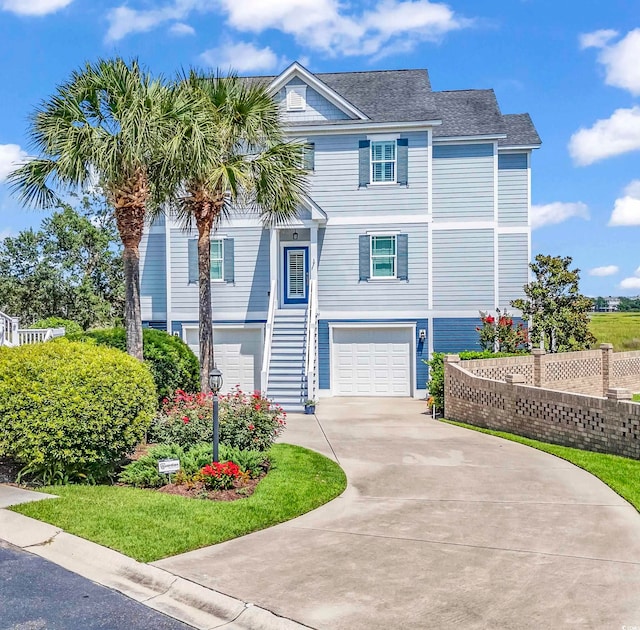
column 296, row 98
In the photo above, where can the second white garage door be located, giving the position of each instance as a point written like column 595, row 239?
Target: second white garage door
column 372, row 361
column 238, row 355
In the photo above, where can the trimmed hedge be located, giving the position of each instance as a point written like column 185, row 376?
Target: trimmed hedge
column 171, row 361
column 72, row 411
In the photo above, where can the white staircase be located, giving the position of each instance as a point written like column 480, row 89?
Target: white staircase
column 11, row 335
column 287, row 376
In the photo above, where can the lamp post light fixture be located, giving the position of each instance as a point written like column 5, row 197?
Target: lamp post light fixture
column 215, row 383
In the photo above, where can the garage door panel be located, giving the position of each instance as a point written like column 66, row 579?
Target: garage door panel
column 237, row 353
column 372, row 361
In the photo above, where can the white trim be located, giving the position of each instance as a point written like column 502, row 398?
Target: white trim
column 167, row 275
column 221, row 239
column 383, row 137
column 301, row 92
column 391, row 232
column 430, row 265
column 256, row 326
column 313, row 253
column 394, row 219
column 513, row 230
column 273, row 256
column 387, row 182
column 523, row 147
column 411, row 326
column 529, row 272
column 430, row 337
column 280, row 283
column 394, row 256
column 364, row 127
column 430, row 172
column 317, row 213
column 295, row 69
column 226, row 316
column 496, row 219
column 468, row 139
column 403, row 314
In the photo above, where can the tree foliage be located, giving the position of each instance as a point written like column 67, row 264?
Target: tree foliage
column 502, row 334
column 70, row 269
column 558, row 312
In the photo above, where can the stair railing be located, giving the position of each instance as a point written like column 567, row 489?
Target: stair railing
column 311, row 354
column 268, row 339
column 8, row 330
column 38, row 335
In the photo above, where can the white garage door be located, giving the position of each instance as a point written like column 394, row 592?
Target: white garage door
column 238, row 355
column 372, row 361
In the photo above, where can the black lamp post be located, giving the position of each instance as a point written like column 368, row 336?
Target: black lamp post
column 215, row 383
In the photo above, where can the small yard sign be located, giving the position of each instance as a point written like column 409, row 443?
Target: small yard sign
column 168, row 466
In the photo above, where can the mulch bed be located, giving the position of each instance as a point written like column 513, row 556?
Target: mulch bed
column 198, row 490
column 8, row 471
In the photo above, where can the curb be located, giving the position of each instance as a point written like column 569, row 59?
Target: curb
column 186, row 601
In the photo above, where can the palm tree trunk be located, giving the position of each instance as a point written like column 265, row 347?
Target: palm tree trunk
column 204, row 221
column 132, row 313
column 130, row 223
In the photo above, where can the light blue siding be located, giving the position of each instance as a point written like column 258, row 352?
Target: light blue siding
column 318, row 107
column 248, row 294
column 513, row 266
column 455, row 334
column 153, row 287
column 335, row 184
column 324, row 355
column 463, row 269
column 463, row 182
column 339, row 285
column 513, row 189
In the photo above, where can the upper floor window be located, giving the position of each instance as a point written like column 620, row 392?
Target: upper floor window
column 383, row 161
column 296, row 98
column 383, row 256
column 217, row 259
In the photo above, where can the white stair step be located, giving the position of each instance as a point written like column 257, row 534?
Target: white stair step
column 289, row 351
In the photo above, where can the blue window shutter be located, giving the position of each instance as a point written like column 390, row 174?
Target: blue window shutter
column 403, row 256
column 365, row 162
column 229, row 272
column 310, row 156
column 365, row 257
column 403, row 161
column 193, row 260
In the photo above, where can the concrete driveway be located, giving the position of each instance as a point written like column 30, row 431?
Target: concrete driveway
column 440, row 527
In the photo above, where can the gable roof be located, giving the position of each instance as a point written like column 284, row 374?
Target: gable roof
column 406, row 96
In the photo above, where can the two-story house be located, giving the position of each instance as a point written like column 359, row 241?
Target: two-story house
column 417, row 217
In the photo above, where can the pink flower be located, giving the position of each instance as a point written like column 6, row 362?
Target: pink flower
column 185, row 419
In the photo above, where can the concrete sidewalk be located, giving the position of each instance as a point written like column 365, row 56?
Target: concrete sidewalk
column 440, row 527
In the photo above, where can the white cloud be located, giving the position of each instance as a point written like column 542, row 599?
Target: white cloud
column 597, row 39
column 328, row 26
column 181, row 29
column 242, row 57
column 626, row 210
column 6, row 233
column 557, row 212
column 608, row 137
column 620, row 60
column 630, row 283
column 34, row 7
column 608, row 270
column 10, row 156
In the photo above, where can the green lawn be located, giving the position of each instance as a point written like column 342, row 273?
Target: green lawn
column 149, row 525
column 621, row 474
column 620, row 329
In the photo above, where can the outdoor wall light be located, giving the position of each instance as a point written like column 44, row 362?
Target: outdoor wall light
column 295, row 236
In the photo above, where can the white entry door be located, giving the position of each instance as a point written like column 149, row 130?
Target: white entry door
column 237, row 353
column 372, row 361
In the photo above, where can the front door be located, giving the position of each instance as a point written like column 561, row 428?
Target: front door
column 296, row 275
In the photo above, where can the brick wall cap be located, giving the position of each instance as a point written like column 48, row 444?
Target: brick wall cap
column 619, row 393
column 537, row 352
column 452, row 358
column 606, row 346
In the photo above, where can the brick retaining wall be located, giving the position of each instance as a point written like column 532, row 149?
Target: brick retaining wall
column 605, row 425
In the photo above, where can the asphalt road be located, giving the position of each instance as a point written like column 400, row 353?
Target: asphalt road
column 38, row 595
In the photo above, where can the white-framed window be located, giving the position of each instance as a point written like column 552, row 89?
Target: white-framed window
column 296, row 98
column 383, row 162
column 384, row 257
column 217, row 259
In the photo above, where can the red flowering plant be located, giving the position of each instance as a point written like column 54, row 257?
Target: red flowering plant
column 220, row 475
column 501, row 335
column 184, row 419
column 250, row 421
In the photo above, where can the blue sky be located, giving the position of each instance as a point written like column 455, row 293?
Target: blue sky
column 572, row 65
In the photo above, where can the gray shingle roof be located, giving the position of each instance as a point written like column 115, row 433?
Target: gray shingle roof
column 520, row 131
column 405, row 95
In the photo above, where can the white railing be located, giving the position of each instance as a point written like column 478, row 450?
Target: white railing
column 38, row 335
column 268, row 337
column 8, row 330
column 312, row 340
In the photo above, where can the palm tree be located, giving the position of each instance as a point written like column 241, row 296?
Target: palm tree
column 105, row 129
column 230, row 151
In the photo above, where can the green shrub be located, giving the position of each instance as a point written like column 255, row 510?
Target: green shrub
column 246, row 422
column 71, row 411
column 70, row 327
column 144, row 473
column 435, row 384
column 171, row 361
